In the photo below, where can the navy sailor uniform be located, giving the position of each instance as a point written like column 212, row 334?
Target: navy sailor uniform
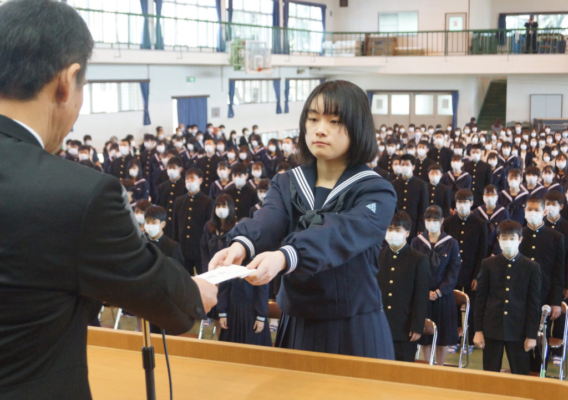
column 481, row 176
column 330, row 298
column 500, row 178
column 461, row 182
column 500, row 214
column 217, row 188
column 515, row 204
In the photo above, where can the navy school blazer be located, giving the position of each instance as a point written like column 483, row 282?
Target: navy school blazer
column 331, row 253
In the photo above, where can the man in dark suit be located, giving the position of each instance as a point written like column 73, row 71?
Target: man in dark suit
column 68, row 240
column 403, row 277
column 507, row 310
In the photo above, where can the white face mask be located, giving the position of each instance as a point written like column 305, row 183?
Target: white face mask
column 287, row 147
column 439, row 142
column 432, row 226
column 173, row 173
column 133, row 173
column 391, row 150
column 554, row 153
column 161, row 148
column 518, row 140
column 475, row 157
column 514, row 183
column 192, row 186
column 518, row 130
column 456, row 165
column 383, row 129
column 209, row 148
column 140, row 218
column 474, row 129
column 421, row 152
column 412, row 152
column 396, row 169
column 552, row 211
column 254, row 143
column 271, row 148
column 547, row 177
column 83, row 157
column 222, row 212
column 490, row 201
column 466, row 131
column 487, row 147
column 509, row 247
column 179, row 145
column 395, row 239
column 256, row 173
column 406, row 170
column 546, row 158
column 549, row 140
column 534, row 217
column 463, row 208
column 243, row 156
column 73, row 151
column 152, row 230
column 240, row 181
column 209, row 130
column 220, row 148
column 435, row 179
column 458, row 152
column 430, row 131
column 547, row 130
column 523, row 147
column 262, row 196
column 493, row 163
column 411, row 129
column 231, row 156
column 506, row 152
column 531, row 179
column 474, row 140
column 381, row 148
column 191, row 147
column 161, row 136
column 223, row 173
column 561, row 165
column 124, row 150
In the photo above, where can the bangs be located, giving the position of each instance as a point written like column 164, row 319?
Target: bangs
column 331, row 100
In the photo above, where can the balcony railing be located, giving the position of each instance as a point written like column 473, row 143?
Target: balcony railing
column 135, row 31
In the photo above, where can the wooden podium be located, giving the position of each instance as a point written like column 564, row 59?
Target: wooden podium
column 230, row 371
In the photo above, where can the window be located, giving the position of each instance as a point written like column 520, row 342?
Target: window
column 267, row 136
column 398, row 22
column 291, row 133
column 190, row 33
column 252, row 12
column 400, row 104
column 254, row 92
column 544, row 21
column 445, row 104
column 300, row 89
column 112, row 28
column 112, row 97
column 306, row 18
column 380, row 104
column 424, row 104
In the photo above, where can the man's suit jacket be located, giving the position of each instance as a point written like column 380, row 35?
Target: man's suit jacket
column 67, row 244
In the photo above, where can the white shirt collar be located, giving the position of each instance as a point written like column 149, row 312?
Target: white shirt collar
column 30, row 130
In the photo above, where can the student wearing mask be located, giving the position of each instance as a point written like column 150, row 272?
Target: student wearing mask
column 548, row 180
column 147, row 154
column 481, row 175
column 507, row 309
column 192, row 209
column 137, row 187
column 271, row 158
column 261, row 191
column 385, row 162
column 139, row 210
column 515, row 197
column 439, row 194
column 471, row 233
column 154, row 224
column 403, row 278
column 119, row 166
column 422, row 163
column 257, row 173
column 242, row 193
column 246, row 157
column 208, row 165
column 561, row 170
column 232, row 157
column 170, row 190
column 443, row 253
column 456, row 179
column 499, row 173
column 73, row 150
column 288, row 152
column 112, row 154
column 533, row 186
column 493, row 213
column 219, row 185
column 156, row 166
column 161, row 174
column 234, row 141
column 412, row 194
column 511, row 161
column 440, row 154
column 258, row 149
column 545, row 246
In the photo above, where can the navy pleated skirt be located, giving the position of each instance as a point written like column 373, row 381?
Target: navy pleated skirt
column 442, row 312
column 240, row 322
column 366, row 335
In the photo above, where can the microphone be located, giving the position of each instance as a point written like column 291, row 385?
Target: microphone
column 545, row 313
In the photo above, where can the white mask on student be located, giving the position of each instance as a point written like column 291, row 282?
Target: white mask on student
column 124, row 150
column 552, row 211
column 209, row 148
column 231, row 156
column 140, row 218
column 73, row 151
column 406, row 170
column 432, row 226
column 133, row 172
column 463, row 209
column 534, row 217
column 475, row 157
column 509, row 247
column 456, row 165
column 492, row 162
column 173, row 173
column 287, row 147
column 222, row 212
column 506, row 152
column 223, row 173
column 83, row 157
column 220, row 148
column 561, row 164
column 256, row 173
column 395, row 239
column 152, row 230
column 531, row 179
column 262, row 196
column 547, row 177
column 240, row 181
column 192, row 186
column 435, row 179
column 514, row 183
column 243, row 156
column 161, row 148
column 271, row 148
column 490, row 201
column 254, row 143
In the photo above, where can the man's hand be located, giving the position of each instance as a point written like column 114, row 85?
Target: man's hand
column 235, row 254
column 479, row 340
column 258, row 326
column 223, row 323
column 414, row 336
column 266, row 265
column 530, row 344
column 433, row 296
column 474, row 284
column 555, row 312
column 208, row 293
column 565, row 293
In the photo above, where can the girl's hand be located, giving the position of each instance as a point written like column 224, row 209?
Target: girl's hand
column 235, row 254
column 223, row 323
column 433, row 296
column 266, row 265
column 258, row 326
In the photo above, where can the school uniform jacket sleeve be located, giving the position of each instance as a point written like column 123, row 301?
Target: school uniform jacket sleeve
column 420, row 306
column 113, row 265
column 422, row 207
column 558, row 273
column 204, row 247
column 481, row 294
column 344, row 235
column 533, row 304
column 223, row 298
column 481, row 253
column 448, row 284
column 177, row 254
column 261, row 302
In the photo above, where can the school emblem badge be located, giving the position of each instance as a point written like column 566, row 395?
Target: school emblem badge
column 373, row 207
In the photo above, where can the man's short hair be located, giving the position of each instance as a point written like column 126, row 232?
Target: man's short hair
column 509, row 227
column 401, row 219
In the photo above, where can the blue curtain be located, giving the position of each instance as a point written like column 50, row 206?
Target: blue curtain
column 193, row 110
column 159, row 38
column 370, row 96
column 455, row 100
column 145, row 88
column 502, row 24
column 286, row 95
column 276, row 46
column 146, row 42
column 228, row 28
column 231, row 98
column 220, row 40
column 285, row 11
column 276, row 83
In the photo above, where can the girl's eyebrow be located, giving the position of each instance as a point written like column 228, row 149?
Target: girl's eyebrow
column 311, row 110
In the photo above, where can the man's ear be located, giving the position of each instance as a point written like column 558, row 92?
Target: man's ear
column 163, row 224
column 67, row 82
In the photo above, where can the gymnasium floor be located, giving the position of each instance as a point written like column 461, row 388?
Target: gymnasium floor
column 129, row 323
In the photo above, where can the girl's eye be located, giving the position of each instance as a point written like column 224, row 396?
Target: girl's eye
column 312, row 119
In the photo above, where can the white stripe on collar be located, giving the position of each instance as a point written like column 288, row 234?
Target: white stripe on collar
column 497, row 169
column 463, row 175
column 553, row 186
column 304, row 187
column 426, row 242
column 536, row 189
column 497, row 212
column 508, row 195
column 218, row 185
column 483, row 213
column 521, row 195
column 451, row 175
column 348, row 182
column 439, row 242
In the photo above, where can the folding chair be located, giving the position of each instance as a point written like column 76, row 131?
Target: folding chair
column 543, row 343
column 118, row 315
column 555, row 343
column 430, row 328
column 462, row 300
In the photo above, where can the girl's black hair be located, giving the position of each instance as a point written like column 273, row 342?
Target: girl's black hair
column 350, row 103
column 224, row 200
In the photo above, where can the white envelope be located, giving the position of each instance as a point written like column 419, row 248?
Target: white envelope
column 223, row 274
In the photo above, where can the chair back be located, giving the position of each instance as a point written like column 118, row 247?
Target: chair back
column 461, row 298
column 429, row 327
column 274, row 311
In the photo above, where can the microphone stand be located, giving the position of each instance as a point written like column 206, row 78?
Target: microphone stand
column 148, row 361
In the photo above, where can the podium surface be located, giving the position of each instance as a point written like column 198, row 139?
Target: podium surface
column 232, row 371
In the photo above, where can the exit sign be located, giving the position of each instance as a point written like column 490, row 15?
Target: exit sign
column 190, row 79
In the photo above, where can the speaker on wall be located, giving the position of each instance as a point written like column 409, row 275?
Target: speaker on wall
column 343, row 3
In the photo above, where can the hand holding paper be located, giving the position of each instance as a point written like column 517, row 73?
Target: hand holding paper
column 222, row 274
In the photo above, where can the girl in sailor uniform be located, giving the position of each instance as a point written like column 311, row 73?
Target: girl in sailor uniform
column 445, row 261
column 320, row 231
